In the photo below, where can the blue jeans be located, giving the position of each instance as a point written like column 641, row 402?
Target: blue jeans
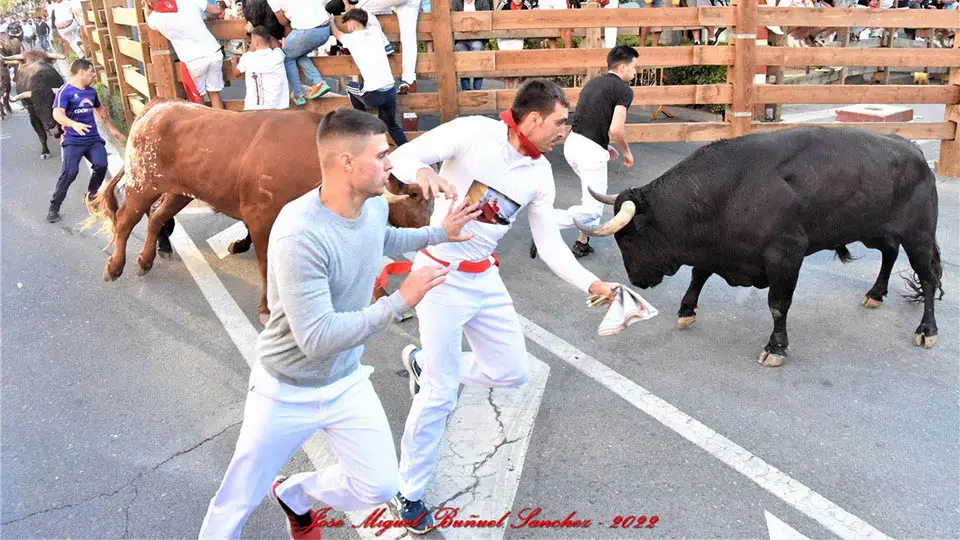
column 385, row 101
column 96, row 154
column 43, row 43
column 296, row 46
column 465, row 46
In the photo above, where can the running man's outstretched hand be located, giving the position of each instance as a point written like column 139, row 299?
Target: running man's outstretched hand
column 457, row 216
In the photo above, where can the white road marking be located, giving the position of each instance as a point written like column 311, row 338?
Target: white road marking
column 778, row 530
column 196, row 211
column 829, row 514
column 219, row 242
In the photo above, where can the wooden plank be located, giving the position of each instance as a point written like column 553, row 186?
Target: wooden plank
column 119, row 61
column 546, row 59
column 771, row 93
column 136, row 104
column 681, row 131
column 592, row 40
column 131, row 48
column 740, row 113
column 949, row 160
column 666, row 17
column 849, row 17
column 909, row 130
column 447, row 82
column 136, row 81
column 496, row 100
column 820, row 56
column 125, row 16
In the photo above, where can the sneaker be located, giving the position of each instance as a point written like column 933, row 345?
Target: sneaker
column 388, row 48
column 408, row 356
column 298, row 531
column 533, row 250
column 407, row 88
column 53, row 216
column 318, row 90
column 299, row 101
column 581, row 249
column 417, row 516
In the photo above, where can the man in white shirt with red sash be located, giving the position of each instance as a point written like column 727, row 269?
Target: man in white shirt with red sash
column 497, row 164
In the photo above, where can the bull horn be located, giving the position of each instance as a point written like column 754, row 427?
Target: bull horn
column 394, row 198
column 56, row 56
column 14, row 57
column 605, row 199
column 22, row 95
column 627, row 210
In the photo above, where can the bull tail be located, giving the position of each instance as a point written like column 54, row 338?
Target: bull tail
column 103, row 207
column 844, row 254
column 913, row 280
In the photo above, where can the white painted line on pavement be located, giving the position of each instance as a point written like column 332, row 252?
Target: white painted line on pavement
column 830, row 515
column 196, row 211
column 220, row 241
column 778, row 530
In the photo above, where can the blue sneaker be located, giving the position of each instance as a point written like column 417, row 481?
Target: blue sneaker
column 408, row 356
column 415, row 514
column 299, row 101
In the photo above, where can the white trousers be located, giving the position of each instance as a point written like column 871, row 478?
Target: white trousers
column 408, row 11
column 610, row 34
column 589, row 161
column 479, row 306
column 71, row 34
column 273, row 430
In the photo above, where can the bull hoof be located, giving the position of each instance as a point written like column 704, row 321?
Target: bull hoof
column 165, row 254
column 871, row 303
column 45, row 156
column 143, row 268
column 263, row 318
column 109, row 275
column 925, row 341
column 686, row 322
column 769, row 359
column 238, row 246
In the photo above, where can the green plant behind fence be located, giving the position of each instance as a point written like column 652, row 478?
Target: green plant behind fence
column 114, row 105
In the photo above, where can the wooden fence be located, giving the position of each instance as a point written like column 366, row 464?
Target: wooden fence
column 145, row 69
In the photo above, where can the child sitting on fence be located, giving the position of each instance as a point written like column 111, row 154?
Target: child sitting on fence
column 264, row 72
column 366, row 49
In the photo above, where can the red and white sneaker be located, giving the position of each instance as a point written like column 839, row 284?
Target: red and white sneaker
column 296, row 530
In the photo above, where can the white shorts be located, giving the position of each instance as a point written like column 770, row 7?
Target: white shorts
column 553, row 4
column 207, row 73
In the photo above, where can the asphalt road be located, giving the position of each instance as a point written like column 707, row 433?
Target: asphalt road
column 121, row 401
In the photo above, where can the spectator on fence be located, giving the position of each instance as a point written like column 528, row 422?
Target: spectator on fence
column 309, row 25
column 646, row 30
column 464, row 45
column 511, row 44
column 43, row 33
column 76, row 107
column 182, row 23
column 378, row 90
column 61, row 15
column 263, row 70
column 566, row 34
column 30, row 33
column 408, row 12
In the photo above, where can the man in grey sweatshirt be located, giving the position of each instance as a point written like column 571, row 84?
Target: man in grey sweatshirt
column 325, row 251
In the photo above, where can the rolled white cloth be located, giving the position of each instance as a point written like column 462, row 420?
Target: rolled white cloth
column 628, row 308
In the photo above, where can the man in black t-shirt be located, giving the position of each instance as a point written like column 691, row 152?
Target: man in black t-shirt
column 600, row 117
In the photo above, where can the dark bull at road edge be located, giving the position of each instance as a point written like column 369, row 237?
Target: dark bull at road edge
column 750, row 209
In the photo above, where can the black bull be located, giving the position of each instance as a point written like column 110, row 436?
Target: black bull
column 36, row 81
column 750, row 209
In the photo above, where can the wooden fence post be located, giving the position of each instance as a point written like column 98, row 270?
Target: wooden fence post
column 949, row 161
column 443, row 55
column 744, row 42
column 591, row 40
column 161, row 70
column 119, row 60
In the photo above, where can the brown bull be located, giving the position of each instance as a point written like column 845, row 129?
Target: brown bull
column 245, row 165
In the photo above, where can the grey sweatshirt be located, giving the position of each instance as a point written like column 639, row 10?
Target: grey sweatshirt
column 320, row 273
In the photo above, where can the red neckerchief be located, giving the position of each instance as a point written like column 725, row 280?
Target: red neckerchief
column 165, row 6
column 526, row 147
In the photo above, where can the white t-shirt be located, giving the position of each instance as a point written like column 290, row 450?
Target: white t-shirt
column 303, row 14
column 186, row 30
column 470, row 6
column 267, row 86
column 480, row 162
column 64, row 14
column 366, row 48
column 29, row 30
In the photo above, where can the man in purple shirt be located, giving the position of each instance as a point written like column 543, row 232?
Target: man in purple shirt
column 76, row 108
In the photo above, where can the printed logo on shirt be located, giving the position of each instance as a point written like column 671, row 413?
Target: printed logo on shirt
column 495, row 207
